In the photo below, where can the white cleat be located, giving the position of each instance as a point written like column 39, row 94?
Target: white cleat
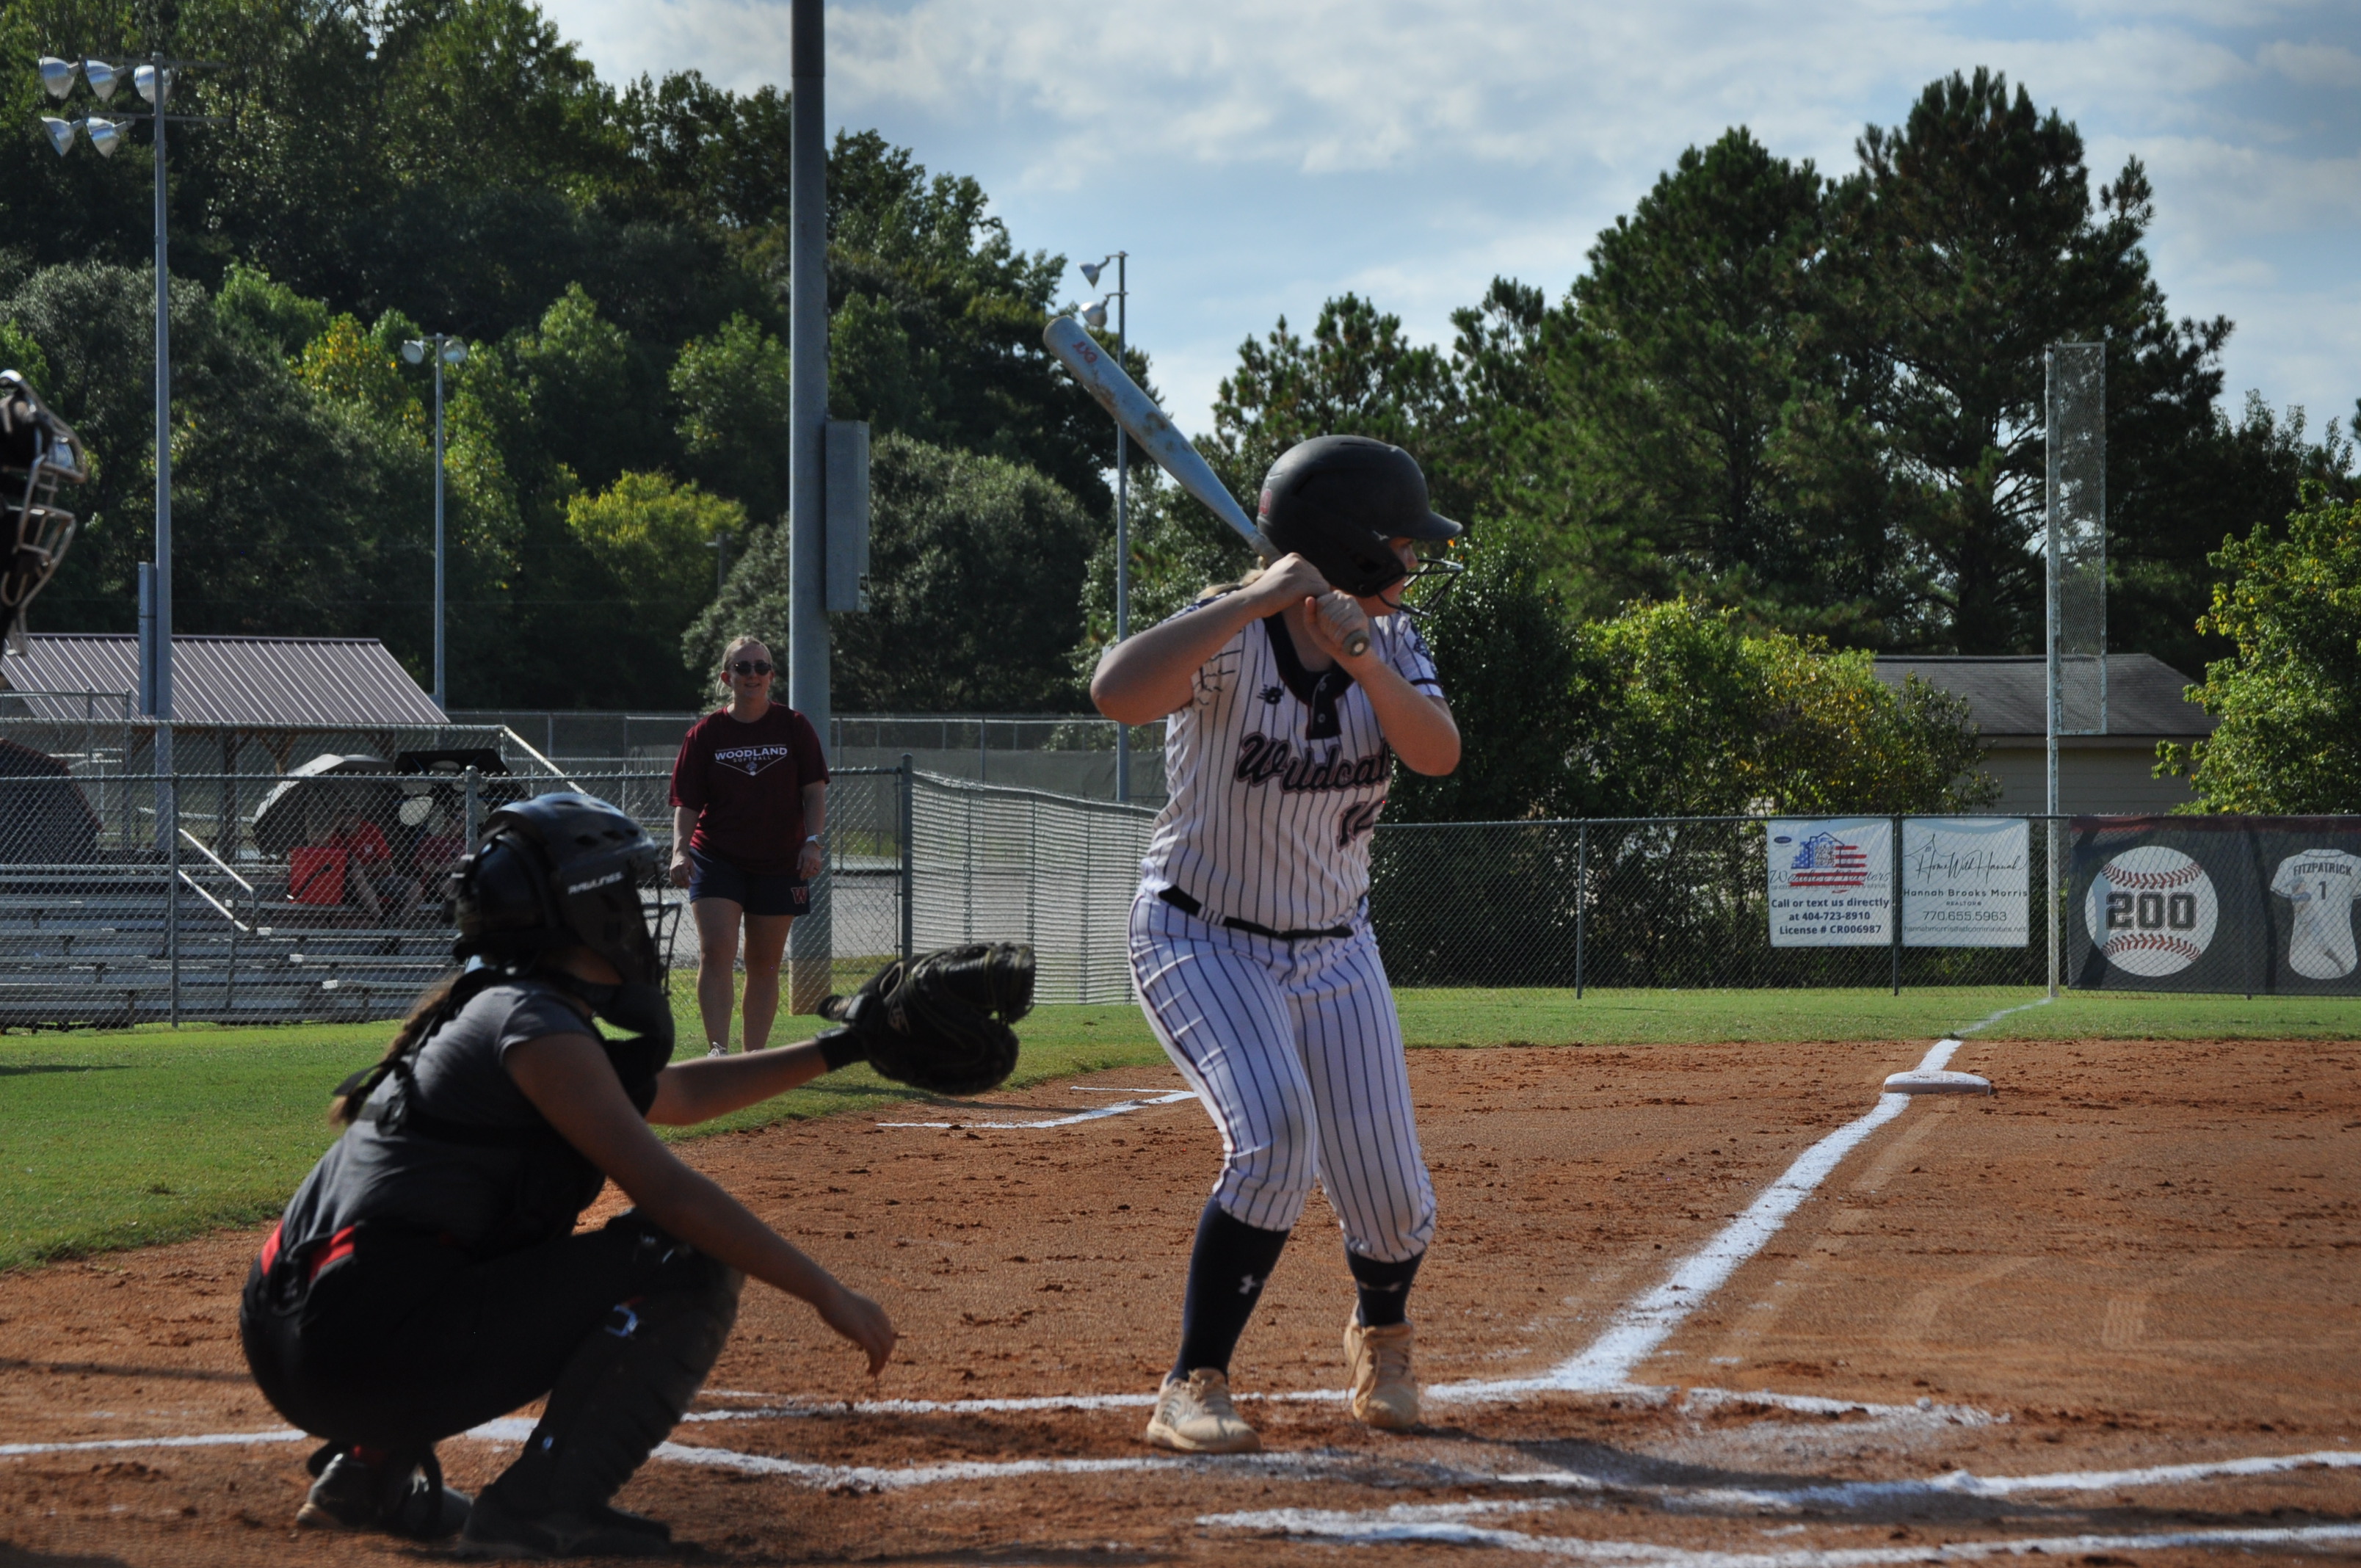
column 1383, row 1395
column 1193, row 1415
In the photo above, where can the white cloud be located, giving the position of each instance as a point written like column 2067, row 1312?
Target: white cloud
column 1260, row 156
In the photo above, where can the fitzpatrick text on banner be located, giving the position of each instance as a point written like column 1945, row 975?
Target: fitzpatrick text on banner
column 2256, row 905
column 1966, row 882
column 1831, row 882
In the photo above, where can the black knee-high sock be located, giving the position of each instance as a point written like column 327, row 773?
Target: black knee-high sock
column 1227, row 1269
column 1384, row 1288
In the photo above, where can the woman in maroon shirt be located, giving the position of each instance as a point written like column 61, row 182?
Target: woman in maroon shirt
column 748, row 802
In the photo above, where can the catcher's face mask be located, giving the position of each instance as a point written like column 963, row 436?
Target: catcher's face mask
column 39, row 452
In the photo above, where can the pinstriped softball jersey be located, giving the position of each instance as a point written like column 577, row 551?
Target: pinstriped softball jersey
column 1294, row 1046
column 1278, row 775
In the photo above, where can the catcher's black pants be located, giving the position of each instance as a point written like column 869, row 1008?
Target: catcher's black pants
column 402, row 1341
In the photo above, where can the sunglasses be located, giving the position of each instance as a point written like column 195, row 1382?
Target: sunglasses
column 753, row 666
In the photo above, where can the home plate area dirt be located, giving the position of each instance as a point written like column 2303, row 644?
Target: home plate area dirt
column 2110, row 1314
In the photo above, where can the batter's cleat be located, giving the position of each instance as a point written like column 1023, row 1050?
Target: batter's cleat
column 493, row 1531
column 353, row 1493
column 1384, row 1396
column 1193, row 1415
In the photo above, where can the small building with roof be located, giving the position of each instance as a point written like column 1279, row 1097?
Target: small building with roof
column 2103, row 774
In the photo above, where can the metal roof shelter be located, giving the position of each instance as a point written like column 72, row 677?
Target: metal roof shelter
column 249, row 681
column 2114, row 772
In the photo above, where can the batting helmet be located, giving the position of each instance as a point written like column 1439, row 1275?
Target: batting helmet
column 1337, row 500
column 39, row 450
column 554, row 871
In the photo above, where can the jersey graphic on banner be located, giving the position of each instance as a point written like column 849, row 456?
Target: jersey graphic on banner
column 2151, row 910
column 2320, row 883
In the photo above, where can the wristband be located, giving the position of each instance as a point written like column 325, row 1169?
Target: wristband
column 840, row 1047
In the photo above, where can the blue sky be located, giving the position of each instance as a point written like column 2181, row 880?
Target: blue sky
column 1256, row 156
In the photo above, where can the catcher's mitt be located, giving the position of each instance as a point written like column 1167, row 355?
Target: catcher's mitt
column 941, row 1022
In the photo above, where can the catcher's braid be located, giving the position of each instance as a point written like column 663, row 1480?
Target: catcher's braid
column 941, row 1021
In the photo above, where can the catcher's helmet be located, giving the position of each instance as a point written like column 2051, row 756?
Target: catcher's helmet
column 39, row 450
column 553, row 872
column 1336, row 500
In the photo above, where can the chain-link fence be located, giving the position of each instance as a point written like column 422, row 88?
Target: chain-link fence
column 133, row 898
column 1670, row 902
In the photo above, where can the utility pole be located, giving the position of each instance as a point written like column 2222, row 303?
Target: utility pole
column 811, row 949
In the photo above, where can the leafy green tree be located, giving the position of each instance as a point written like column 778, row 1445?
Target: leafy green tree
column 733, row 389
column 1178, row 551
column 1508, row 657
column 1691, row 449
column 287, row 518
column 975, row 571
column 2289, row 699
column 1356, row 375
column 1966, row 245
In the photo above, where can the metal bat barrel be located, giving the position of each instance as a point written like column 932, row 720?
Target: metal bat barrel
column 1134, row 410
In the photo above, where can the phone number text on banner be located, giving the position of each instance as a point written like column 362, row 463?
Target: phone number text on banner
column 1831, row 882
column 1966, row 882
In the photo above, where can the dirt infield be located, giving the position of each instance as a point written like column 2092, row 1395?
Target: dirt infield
column 2136, row 1256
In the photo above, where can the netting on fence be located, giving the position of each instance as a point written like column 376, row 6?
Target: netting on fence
column 992, row 864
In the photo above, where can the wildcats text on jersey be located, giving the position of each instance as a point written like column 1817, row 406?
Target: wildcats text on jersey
column 1262, row 757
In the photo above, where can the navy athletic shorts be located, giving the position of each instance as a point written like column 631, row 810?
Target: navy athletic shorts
column 710, row 876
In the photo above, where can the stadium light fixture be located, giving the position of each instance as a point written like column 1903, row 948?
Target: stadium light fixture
column 1090, row 270
column 154, row 78
column 1094, row 315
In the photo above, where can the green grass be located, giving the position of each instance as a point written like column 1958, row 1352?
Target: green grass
column 111, row 1140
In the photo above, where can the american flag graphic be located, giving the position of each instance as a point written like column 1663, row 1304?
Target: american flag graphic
column 1824, row 861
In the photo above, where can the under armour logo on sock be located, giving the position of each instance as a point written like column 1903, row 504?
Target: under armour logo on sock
column 1394, row 1289
column 1249, row 1285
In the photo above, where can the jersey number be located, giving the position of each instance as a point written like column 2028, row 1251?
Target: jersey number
column 1355, row 820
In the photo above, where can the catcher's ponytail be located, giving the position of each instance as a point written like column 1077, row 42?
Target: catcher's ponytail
column 433, row 1008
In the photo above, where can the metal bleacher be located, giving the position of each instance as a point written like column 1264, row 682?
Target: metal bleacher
column 98, row 946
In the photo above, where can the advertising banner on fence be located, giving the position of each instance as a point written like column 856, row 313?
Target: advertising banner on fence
column 2256, row 904
column 1831, row 882
column 1966, row 882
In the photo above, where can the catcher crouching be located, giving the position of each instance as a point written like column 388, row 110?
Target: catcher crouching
column 427, row 1276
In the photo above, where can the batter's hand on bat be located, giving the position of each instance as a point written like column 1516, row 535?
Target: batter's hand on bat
column 1339, row 625
column 1289, row 580
column 862, row 1321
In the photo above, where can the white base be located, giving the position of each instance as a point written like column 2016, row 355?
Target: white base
column 1937, row 1084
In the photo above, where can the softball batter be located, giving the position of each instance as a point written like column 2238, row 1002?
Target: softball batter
column 1250, row 939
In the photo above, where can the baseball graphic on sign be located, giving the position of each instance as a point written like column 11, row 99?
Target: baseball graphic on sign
column 2151, row 910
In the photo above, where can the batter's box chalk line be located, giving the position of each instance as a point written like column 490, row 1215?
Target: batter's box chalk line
column 1101, row 1114
column 1454, row 1524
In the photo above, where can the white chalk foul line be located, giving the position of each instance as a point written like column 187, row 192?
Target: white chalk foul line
column 206, row 1440
column 1634, row 1332
column 1098, row 1116
column 1451, row 1524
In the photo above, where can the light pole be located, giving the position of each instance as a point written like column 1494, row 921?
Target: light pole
column 444, row 350
column 154, row 78
column 1094, row 316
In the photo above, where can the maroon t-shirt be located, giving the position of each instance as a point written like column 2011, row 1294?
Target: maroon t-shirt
column 746, row 783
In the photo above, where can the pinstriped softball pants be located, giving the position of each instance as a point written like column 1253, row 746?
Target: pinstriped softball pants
column 1295, row 1051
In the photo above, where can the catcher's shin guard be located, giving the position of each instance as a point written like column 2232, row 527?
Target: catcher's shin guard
column 622, row 1394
